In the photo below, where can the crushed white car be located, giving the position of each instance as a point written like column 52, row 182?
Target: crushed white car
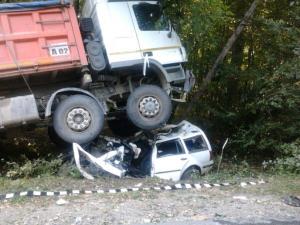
column 174, row 153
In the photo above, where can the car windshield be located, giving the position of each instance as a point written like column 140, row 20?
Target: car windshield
column 150, row 17
column 196, row 144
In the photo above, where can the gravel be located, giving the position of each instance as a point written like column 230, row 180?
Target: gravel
column 252, row 205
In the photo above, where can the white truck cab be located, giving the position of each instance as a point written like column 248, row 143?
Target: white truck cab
column 139, row 60
column 133, row 30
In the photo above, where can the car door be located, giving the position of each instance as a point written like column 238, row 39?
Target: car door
column 155, row 35
column 169, row 159
column 200, row 151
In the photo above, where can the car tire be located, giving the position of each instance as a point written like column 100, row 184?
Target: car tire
column 190, row 172
column 149, row 107
column 78, row 119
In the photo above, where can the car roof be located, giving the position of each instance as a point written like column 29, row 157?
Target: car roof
column 183, row 130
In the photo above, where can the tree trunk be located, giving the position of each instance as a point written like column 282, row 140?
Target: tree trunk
column 226, row 49
column 238, row 52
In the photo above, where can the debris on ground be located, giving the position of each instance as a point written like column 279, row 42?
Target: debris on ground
column 61, row 202
column 138, row 185
column 292, row 201
column 78, row 220
column 242, row 198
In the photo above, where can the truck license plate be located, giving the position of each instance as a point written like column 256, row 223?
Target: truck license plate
column 59, row 50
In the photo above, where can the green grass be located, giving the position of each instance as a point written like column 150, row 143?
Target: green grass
column 38, row 183
column 57, row 183
column 282, row 185
column 279, row 184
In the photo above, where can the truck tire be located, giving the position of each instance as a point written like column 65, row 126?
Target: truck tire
column 56, row 139
column 78, row 119
column 149, row 107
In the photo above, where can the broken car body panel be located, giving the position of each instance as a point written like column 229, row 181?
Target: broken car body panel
column 102, row 162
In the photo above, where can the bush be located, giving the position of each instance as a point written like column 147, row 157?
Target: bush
column 33, row 168
column 289, row 161
column 68, row 169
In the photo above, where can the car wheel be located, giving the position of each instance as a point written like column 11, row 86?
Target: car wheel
column 78, row 119
column 149, row 107
column 191, row 173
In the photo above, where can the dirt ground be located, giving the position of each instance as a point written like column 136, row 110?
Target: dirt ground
column 252, row 204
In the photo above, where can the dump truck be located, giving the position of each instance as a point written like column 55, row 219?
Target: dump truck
column 119, row 61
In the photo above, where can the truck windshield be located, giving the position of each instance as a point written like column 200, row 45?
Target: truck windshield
column 150, row 17
column 196, row 144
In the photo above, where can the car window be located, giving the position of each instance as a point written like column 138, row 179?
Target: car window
column 150, row 17
column 169, row 148
column 196, row 144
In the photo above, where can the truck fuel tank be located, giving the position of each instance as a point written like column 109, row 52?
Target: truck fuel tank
column 18, row 110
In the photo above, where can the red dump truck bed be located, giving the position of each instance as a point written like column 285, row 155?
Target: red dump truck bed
column 34, row 40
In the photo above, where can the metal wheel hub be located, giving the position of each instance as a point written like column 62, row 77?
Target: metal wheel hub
column 149, row 107
column 79, row 119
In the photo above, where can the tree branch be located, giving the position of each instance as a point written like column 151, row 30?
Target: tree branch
column 210, row 75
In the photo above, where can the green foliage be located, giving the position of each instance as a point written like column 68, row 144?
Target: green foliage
column 255, row 97
column 18, row 148
column 33, row 168
column 289, row 162
column 199, row 23
column 69, row 170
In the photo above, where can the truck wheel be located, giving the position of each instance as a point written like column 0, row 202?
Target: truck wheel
column 78, row 119
column 56, row 139
column 149, row 107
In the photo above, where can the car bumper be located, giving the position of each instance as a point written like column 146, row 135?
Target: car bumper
column 207, row 167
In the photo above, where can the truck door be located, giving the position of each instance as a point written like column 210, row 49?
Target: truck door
column 169, row 159
column 119, row 33
column 155, row 36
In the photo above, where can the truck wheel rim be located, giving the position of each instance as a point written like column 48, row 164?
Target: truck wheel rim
column 78, row 119
column 149, row 107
